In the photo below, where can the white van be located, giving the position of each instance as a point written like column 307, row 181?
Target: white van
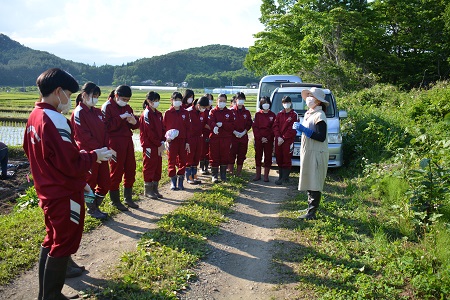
column 269, row 83
column 294, row 91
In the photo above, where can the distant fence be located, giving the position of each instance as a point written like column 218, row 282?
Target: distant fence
column 154, row 88
column 231, row 91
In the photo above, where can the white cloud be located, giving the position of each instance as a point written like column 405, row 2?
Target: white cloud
column 117, row 31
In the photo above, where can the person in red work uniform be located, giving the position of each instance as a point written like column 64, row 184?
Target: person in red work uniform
column 239, row 140
column 284, row 139
column 188, row 98
column 195, row 138
column 152, row 141
column 204, row 158
column 120, row 122
column 59, row 174
column 177, row 119
column 263, row 133
column 90, row 133
column 221, row 120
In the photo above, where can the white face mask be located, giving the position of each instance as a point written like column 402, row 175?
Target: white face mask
column 240, row 102
column 286, row 105
column 121, row 102
column 190, row 100
column 64, row 108
column 177, row 103
column 310, row 102
column 155, row 104
column 202, row 109
column 92, row 101
column 266, row 106
column 210, row 102
column 222, row 104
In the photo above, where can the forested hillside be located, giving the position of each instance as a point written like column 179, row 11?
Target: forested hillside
column 213, row 65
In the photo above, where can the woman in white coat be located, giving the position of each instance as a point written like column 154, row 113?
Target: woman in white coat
column 314, row 149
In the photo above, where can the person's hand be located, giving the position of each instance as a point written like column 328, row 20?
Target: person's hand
column 216, row 130
column 280, row 141
column 296, row 125
column 241, row 134
column 188, row 148
column 124, row 115
column 103, row 154
column 132, row 120
column 236, row 133
column 167, row 144
column 264, row 140
column 219, row 124
column 302, row 129
column 161, row 149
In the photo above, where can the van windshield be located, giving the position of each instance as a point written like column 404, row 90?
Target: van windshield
column 267, row 88
column 299, row 104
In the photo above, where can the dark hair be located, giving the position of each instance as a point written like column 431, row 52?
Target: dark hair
column 208, row 95
column 240, row 95
column 112, row 95
column 152, row 96
column 203, row 101
column 265, row 99
column 223, row 95
column 53, row 78
column 194, row 103
column 324, row 106
column 233, row 99
column 176, row 95
column 187, row 94
column 88, row 88
column 123, row 91
column 286, row 99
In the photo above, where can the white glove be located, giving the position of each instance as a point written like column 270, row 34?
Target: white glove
column 188, row 148
column 124, row 115
column 216, row 130
column 241, row 134
column 264, row 140
column 219, row 124
column 161, row 149
column 132, row 120
column 114, row 155
column 167, row 145
column 103, row 154
column 280, row 141
column 236, row 133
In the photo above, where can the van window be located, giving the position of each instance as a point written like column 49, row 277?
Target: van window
column 267, row 88
column 299, row 104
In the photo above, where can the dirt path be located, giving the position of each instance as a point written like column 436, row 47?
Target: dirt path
column 238, row 266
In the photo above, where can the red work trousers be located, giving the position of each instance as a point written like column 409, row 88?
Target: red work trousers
column 219, row 151
column 98, row 178
column 283, row 153
column 266, row 149
column 124, row 164
column 177, row 157
column 238, row 150
column 152, row 164
column 64, row 221
column 193, row 157
column 205, row 148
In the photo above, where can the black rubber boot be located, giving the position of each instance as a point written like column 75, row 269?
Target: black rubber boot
column 215, row 174
column 286, row 173
column 223, row 173
column 279, row 181
column 42, row 261
column 180, row 182
column 155, row 188
column 73, row 270
column 173, row 183
column 54, row 277
column 202, row 166
column 115, row 200
column 93, row 211
column 206, row 167
column 313, row 205
column 150, row 190
column 98, row 201
column 128, row 195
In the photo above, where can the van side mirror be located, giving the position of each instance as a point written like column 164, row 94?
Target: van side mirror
column 342, row 114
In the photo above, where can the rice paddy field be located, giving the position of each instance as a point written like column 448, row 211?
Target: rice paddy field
column 15, row 107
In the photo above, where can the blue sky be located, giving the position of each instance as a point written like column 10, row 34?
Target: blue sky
column 117, row 31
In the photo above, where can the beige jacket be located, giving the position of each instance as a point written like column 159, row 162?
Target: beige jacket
column 313, row 154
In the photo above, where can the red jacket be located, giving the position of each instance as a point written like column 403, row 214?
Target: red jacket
column 59, row 169
column 282, row 127
column 225, row 116
column 243, row 119
column 177, row 119
column 204, row 116
column 89, row 128
column 151, row 128
column 263, row 125
column 197, row 122
column 118, row 127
